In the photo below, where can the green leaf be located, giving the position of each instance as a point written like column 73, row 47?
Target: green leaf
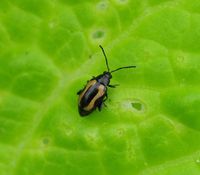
column 48, row 51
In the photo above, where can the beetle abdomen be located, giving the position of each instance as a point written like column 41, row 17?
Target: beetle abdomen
column 93, row 92
column 88, row 96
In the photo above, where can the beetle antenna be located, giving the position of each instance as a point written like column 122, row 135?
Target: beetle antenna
column 105, row 57
column 122, row 68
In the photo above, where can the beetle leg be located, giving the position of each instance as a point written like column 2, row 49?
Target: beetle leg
column 113, row 86
column 106, row 96
column 79, row 92
column 101, row 101
column 100, row 105
column 93, row 78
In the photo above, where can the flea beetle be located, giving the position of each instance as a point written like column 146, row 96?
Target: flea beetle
column 94, row 94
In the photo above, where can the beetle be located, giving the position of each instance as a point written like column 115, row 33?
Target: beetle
column 94, row 94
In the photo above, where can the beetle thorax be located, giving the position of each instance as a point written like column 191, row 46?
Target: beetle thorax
column 104, row 78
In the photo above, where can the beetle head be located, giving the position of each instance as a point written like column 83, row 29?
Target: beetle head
column 107, row 74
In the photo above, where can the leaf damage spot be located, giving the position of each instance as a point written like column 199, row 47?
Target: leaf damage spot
column 45, row 141
column 134, row 105
column 137, row 106
column 180, row 58
column 120, row 132
column 102, row 5
column 98, row 34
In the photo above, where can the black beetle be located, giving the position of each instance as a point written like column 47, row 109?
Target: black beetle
column 94, row 94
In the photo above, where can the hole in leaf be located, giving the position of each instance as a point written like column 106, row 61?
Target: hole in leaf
column 134, row 105
column 102, row 5
column 45, row 141
column 180, row 59
column 120, row 132
column 98, row 34
column 137, row 105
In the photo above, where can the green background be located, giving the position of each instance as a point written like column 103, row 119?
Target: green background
column 49, row 49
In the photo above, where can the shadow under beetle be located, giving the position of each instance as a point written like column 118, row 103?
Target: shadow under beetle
column 94, row 94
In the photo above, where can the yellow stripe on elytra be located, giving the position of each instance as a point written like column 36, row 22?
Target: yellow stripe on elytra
column 90, row 83
column 101, row 92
